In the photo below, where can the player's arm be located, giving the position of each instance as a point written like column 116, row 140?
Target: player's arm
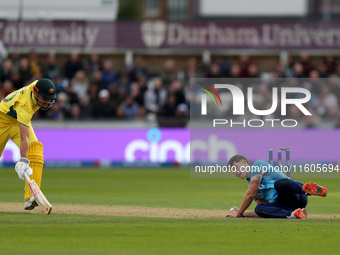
column 250, row 214
column 23, row 165
column 233, row 211
column 249, row 195
column 24, row 133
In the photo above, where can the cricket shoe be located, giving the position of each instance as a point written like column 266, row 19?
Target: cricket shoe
column 298, row 214
column 314, row 189
column 30, row 204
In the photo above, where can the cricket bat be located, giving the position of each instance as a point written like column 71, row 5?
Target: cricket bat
column 38, row 195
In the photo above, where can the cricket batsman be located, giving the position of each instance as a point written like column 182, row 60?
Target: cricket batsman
column 276, row 195
column 16, row 111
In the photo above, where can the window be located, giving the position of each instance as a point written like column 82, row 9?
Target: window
column 177, row 9
column 152, row 8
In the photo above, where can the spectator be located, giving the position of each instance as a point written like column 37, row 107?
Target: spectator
column 80, row 84
column 168, row 74
column 244, row 64
column 224, row 66
column 59, row 86
column 330, row 64
column 172, row 115
column 214, row 71
column 201, row 68
column 126, row 71
column 306, row 63
column 235, row 71
column 314, row 81
column 334, row 86
column 3, row 51
column 328, row 104
column 177, row 91
column 85, row 107
column 138, row 69
column 24, row 72
column 15, row 58
column 93, row 63
column 128, row 109
column 50, row 69
column 72, row 66
column 108, row 76
column 55, row 113
column 323, row 71
column 6, row 70
column 191, row 71
column 104, row 108
column 75, row 112
column 97, row 78
column 93, row 93
column 72, row 96
column 15, row 78
column 63, row 105
column 253, row 71
column 138, row 97
column 289, row 67
column 298, row 71
column 6, row 89
column 279, row 70
column 136, row 94
column 124, row 84
column 155, row 96
column 142, row 82
column 115, row 95
column 34, row 63
column 170, row 107
column 36, row 76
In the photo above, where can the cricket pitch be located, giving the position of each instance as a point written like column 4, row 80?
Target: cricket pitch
column 134, row 211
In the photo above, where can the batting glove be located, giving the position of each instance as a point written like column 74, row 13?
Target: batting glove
column 23, row 166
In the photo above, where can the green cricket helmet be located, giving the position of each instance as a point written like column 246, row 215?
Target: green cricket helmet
column 46, row 89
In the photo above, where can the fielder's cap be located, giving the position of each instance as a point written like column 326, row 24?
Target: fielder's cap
column 46, row 88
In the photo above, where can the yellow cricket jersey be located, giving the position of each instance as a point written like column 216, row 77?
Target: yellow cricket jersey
column 20, row 104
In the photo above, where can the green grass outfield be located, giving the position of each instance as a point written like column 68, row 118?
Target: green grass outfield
column 24, row 233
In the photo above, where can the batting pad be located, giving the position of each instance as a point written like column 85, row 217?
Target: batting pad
column 36, row 158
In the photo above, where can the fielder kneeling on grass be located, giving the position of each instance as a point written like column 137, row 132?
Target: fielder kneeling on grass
column 276, row 195
column 16, row 111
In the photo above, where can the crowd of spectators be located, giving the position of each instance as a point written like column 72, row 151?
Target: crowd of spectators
column 92, row 88
column 321, row 79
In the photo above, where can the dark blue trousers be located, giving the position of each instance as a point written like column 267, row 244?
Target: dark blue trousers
column 290, row 197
